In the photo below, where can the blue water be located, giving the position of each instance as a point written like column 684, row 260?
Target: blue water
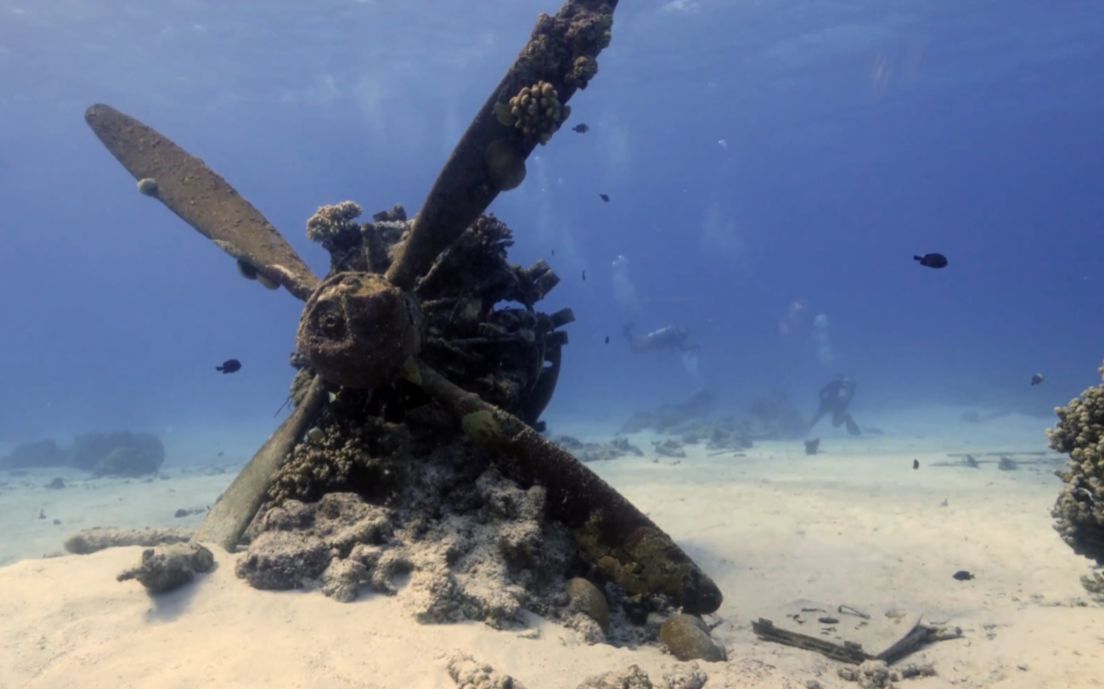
column 757, row 155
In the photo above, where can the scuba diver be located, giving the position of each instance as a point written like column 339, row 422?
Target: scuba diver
column 668, row 337
column 835, row 397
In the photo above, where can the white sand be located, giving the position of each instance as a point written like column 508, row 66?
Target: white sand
column 855, row 525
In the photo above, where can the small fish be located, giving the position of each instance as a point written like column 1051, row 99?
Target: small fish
column 916, row 464
column 584, row 275
column 932, row 260
column 1037, row 378
column 607, row 339
column 963, row 575
column 604, row 197
column 229, row 366
column 582, row 128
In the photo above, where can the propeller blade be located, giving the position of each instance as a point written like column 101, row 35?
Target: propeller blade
column 626, row 545
column 231, row 515
column 201, row 198
column 491, row 154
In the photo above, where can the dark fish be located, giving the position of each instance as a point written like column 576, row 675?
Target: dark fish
column 963, row 575
column 604, row 197
column 812, row 446
column 1037, row 378
column 932, row 260
column 916, row 464
column 229, row 366
column 607, row 339
column 582, row 128
column 584, row 276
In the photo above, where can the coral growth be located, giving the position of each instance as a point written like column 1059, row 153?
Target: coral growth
column 1080, row 508
column 471, row 674
column 877, row 674
column 473, row 544
column 535, row 110
column 565, row 46
column 336, row 229
column 683, row 676
column 333, row 223
column 583, row 69
column 544, row 53
column 509, row 356
column 369, row 457
column 589, row 34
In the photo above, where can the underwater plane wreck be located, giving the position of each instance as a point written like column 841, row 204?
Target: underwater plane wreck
column 413, row 464
column 415, row 398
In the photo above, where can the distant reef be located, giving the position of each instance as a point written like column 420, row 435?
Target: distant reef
column 120, row 453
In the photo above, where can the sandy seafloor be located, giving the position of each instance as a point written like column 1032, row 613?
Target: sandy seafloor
column 855, row 524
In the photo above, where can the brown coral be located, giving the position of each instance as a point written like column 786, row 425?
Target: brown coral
column 330, row 223
column 590, row 33
column 535, row 110
column 543, row 55
column 335, row 228
column 472, row 544
column 583, row 69
column 1080, row 508
column 370, row 458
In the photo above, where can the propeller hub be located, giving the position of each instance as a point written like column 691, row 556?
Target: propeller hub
column 358, row 329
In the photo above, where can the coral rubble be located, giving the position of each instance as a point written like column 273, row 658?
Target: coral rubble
column 472, row 544
column 471, row 674
column 169, row 567
column 598, row 452
column 98, row 538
